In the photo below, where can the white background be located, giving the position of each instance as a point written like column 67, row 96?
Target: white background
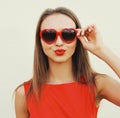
column 18, row 19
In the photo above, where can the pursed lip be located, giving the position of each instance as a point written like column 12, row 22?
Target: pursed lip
column 60, row 52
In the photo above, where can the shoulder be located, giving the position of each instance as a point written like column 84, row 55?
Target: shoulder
column 104, row 83
column 23, row 88
column 20, row 102
column 108, row 87
column 20, row 90
column 20, row 97
column 100, row 75
column 100, row 80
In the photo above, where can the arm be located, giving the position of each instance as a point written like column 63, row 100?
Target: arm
column 95, row 45
column 106, row 86
column 20, row 103
column 111, row 59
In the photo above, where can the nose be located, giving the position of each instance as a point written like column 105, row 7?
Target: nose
column 59, row 41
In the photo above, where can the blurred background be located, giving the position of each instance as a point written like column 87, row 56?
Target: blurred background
column 18, row 20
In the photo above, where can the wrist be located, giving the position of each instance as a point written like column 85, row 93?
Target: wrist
column 102, row 52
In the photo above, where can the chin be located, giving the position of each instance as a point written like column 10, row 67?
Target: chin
column 61, row 60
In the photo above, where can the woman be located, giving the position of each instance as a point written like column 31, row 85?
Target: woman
column 63, row 84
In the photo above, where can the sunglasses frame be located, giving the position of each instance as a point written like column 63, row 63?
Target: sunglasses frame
column 58, row 33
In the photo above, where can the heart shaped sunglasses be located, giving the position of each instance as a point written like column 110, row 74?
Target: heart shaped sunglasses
column 68, row 35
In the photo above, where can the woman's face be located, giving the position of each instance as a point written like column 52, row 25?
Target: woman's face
column 58, row 51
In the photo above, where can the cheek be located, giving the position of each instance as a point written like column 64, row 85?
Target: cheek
column 45, row 47
column 72, row 47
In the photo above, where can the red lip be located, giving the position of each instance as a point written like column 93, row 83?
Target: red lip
column 59, row 52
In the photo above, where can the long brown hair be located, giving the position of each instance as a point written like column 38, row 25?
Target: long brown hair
column 80, row 60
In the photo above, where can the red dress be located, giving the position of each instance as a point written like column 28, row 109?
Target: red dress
column 69, row 100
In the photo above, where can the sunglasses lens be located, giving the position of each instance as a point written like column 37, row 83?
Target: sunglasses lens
column 49, row 35
column 68, row 34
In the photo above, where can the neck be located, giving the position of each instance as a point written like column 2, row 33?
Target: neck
column 60, row 72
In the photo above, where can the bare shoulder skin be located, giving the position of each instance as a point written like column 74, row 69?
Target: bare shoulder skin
column 107, row 88
column 20, row 103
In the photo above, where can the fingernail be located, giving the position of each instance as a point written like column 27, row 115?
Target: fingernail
column 82, row 33
column 89, row 30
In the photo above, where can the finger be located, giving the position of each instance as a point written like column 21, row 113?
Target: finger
column 87, row 30
column 90, row 33
column 83, row 40
column 78, row 32
column 90, row 28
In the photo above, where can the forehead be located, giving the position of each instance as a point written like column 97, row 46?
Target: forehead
column 58, row 21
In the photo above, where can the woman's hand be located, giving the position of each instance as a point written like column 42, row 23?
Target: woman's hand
column 90, row 39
